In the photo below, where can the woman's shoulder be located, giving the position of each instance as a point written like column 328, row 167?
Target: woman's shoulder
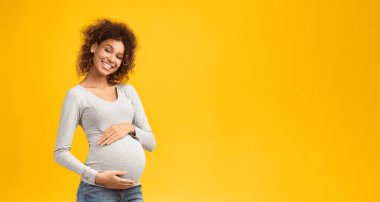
column 129, row 88
column 73, row 92
column 74, row 89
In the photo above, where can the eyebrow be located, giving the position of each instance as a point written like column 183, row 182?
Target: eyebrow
column 113, row 48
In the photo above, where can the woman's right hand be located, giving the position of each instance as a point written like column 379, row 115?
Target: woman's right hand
column 111, row 180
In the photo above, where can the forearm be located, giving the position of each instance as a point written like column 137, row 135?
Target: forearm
column 64, row 158
column 140, row 122
column 145, row 137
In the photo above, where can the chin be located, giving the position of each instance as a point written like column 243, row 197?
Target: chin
column 103, row 72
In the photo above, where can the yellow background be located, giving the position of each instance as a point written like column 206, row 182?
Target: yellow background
column 267, row 101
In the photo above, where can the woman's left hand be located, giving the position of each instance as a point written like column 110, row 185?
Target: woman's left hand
column 115, row 132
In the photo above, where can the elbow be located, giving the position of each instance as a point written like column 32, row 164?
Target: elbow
column 152, row 144
column 58, row 154
column 56, row 158
column 151, row 147
column 146, row 138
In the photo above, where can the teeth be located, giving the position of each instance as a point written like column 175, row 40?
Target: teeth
column 107, row 66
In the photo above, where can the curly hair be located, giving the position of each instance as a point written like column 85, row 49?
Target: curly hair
column 99, row 31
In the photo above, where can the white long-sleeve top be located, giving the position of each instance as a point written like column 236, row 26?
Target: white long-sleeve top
column 95, row 115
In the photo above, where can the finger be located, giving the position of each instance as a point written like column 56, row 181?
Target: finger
column 120, row 172
column 101, row 138
column 125, row 181
column 106, row 138
column 129, row 181
column 109, row 140
column 112, row 138
column 123, row 186
column 128, row 186
column 105, row 135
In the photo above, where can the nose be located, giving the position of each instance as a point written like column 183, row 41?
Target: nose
column 111, row 58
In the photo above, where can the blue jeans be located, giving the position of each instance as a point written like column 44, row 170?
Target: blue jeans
column 91, row 193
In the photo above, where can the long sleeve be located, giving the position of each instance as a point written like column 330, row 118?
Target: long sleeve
column 69, row 119
column 142, row 127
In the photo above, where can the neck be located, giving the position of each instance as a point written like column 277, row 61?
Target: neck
column 93, row 80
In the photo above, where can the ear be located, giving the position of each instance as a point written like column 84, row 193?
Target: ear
column 94, row 47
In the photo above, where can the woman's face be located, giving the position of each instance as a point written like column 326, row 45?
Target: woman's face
column 107, row 56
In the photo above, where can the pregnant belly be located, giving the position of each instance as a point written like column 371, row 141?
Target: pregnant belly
column 125, row 154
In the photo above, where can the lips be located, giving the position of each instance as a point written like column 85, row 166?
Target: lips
column 106, row 65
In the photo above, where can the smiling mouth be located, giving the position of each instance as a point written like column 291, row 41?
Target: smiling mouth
column 106, row 65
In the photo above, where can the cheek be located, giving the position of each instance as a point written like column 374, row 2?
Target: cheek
column 97, row 57
column 117, row 66
column 118, row 63
column 102, row 54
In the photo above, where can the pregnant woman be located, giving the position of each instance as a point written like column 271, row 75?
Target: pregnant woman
column 110, row 113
